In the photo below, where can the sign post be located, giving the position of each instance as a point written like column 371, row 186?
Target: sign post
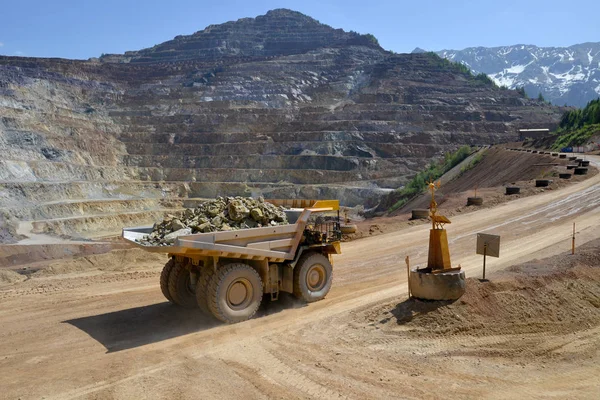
column 488, row 245
column 573, row 241
column 407, row 260
column 484, row 255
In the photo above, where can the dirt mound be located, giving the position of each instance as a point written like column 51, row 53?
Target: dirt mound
column 559, row 295
column 501, row 167
column 8, row 277
column 116, row 260
column 498, row 167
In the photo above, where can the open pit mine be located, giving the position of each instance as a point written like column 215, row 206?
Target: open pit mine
column 192, row 220
column 278, row 106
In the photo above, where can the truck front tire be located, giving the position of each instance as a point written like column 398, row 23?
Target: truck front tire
column 234, row 293
column 313, row 276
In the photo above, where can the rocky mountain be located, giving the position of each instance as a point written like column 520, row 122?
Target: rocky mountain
column 563, row 75
column 279, row 105
column 278, row 33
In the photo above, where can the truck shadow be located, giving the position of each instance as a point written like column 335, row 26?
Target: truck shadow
column 135, row 327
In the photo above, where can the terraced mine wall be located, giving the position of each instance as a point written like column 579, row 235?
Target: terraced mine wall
column 313, row 113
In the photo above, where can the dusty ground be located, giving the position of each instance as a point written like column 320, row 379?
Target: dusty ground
column 105, row 331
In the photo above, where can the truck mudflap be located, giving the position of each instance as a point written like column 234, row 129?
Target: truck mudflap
column 333, row 248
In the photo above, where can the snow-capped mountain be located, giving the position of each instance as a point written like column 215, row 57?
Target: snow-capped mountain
column 564, row 75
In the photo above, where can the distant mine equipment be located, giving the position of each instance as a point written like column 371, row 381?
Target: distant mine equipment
column 439, row 281
column 347, row 227
column 542, row 182
column 564, row 175
column 580, row 171
column 420, row 213
column 475, row 200
column 226, row 273
column 487, row 245
column 510, row 190
column 574, row 149
column 535, row 133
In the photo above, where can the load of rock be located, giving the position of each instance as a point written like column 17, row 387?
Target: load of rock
column 220, row 214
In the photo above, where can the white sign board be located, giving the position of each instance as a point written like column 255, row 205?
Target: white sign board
column 488, row 245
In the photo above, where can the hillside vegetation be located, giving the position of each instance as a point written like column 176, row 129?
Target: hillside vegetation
column 432, row 172
column 578, row 126
column 461, row 68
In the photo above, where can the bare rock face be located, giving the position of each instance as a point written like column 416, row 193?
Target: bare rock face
column 280, row 32
column 279, row 106
column 8, row 231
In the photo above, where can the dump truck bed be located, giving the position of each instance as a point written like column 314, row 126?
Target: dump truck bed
column 277, row 243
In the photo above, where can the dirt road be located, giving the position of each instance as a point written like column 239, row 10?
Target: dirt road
column 110, row 334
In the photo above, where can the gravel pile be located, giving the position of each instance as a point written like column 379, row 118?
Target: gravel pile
column 220, row 214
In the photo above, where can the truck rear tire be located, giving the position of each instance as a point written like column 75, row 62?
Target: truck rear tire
column 181, row 288
column 164, row 280
column 313, row 276
column 206, row 274
column 234, row 293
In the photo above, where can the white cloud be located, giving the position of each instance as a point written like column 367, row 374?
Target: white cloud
column 19, row 53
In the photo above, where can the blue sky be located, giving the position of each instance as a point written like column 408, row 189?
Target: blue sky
column 83, row 29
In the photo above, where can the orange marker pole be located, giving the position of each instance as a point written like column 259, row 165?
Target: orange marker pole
column 573, row 240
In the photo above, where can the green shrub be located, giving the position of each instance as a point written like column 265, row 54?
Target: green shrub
column 372, row 39
column 521, row 91
column 589, row 115
column 432, row 172
column 578, row 126
column 460, row 68
column 476, row 160
column 485, row 79
column 576, row 137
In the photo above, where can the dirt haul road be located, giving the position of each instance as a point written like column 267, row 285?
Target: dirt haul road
column 112, row 335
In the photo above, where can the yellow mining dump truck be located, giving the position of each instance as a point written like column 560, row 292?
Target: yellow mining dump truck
column 227, row 273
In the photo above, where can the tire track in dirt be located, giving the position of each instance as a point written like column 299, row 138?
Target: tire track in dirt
column 261, row 340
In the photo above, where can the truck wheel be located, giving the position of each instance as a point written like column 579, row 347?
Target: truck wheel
column 234, row 293
column 181, row 288
column 164, row 279
column 206, row 274
column 312, row 277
